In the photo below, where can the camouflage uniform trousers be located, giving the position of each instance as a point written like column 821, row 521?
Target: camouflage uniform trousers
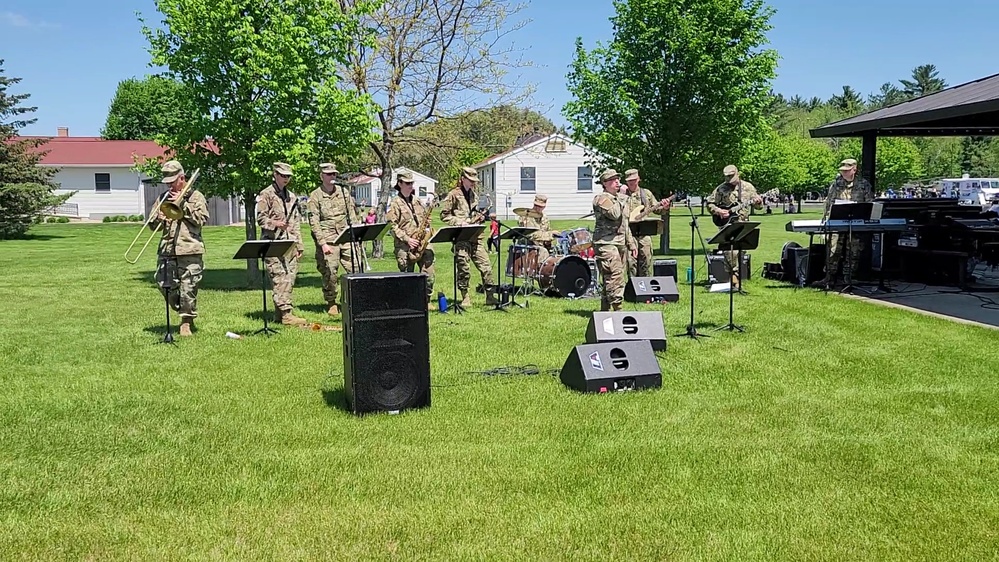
column 611, row 261
column 426, row 263
column 282, row 272
column 640, row 266
column 465, row 251
column 839, row 248
column 329, row 267
column 181, row 275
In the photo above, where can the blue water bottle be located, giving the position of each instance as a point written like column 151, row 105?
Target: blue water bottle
column 442, row 303
column 690, row 275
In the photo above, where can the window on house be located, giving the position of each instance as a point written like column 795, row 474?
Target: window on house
column 528, row 180
column 555, row 144
column 102, row 182
column 584, row 178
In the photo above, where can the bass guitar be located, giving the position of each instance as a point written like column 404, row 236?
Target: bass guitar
column 733, row 210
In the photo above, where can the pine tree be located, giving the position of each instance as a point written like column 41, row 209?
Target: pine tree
column 25, row 188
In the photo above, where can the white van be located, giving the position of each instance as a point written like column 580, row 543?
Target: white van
column 977, row 192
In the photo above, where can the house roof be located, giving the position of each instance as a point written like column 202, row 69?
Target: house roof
column 375, row 174
column 968, row 109
column 526, row 146
column 95, row 151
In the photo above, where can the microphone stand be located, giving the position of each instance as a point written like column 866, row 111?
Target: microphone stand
column 350, row 227
column 694, row 231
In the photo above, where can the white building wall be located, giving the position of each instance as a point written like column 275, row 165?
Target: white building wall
column 125, row 197
column 555, row 176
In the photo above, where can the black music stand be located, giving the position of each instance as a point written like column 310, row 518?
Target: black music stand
column 359, row 234
column 645, row 227
column 455, row 234
column 736, row 236
column 258, row 250
column 510, row 234
column 849, row 212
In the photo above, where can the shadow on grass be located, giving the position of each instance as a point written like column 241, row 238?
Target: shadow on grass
column 232, row 279
column 33, row 237
column 336, row 398
column 317, row 308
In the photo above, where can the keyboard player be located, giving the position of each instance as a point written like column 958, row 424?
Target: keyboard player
column 846, row 187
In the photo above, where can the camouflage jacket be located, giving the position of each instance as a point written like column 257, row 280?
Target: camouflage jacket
column 183, row 237
column 272, row 207
column 727, row 196
column 858, row 191
column 328, row 214
column 544, row 233
column 611, row 221
column 405, row 219
column 456, row 209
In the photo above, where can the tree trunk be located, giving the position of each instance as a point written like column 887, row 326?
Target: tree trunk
column 384, row 194
column 250, row 220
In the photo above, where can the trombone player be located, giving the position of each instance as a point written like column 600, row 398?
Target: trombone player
column 179, row 257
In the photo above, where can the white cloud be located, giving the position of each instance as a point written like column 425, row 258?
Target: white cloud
column 17, row 20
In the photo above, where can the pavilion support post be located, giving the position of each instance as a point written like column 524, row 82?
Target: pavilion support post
column 868, row 156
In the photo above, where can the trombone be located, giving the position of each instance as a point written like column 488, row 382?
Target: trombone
column 174, row 210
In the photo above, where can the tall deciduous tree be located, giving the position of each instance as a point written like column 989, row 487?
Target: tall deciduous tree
column 677, row 89
column 25, row 188
column 262, row 77
column 432, row 59
column 143, row 109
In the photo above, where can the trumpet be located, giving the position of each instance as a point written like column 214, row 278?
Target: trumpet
column 174, row 210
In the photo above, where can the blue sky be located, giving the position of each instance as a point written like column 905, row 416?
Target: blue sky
column 71, row 54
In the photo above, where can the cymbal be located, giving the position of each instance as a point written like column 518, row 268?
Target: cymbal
column 525, row 212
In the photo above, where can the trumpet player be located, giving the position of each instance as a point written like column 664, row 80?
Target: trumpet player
column 406, row 213
column 456, row 210
column 179, row 264
column 328, row 208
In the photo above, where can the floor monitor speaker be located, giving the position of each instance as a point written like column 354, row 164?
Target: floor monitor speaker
column 651, row 289
column 627, row 326
column 611, row 367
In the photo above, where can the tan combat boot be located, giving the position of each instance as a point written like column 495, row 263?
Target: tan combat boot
column 466, row 301
column 185, row 326
column 287, row 318
column 334, row 310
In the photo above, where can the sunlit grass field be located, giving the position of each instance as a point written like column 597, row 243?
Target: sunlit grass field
column 832, row 429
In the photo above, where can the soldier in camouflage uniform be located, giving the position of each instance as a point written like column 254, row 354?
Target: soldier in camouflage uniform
column 847, row 186
column 405, row 212
column 280, row 218
column 612, row 240
column 735, row 190
column 641, row 197
column 328, row 207
column 542, row 238
column 180, row 265
column 456, row 209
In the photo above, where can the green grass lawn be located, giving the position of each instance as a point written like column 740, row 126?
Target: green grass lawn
column 832, row 429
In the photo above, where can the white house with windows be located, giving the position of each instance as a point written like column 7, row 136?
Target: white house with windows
column 554, row 165
column 366, row 188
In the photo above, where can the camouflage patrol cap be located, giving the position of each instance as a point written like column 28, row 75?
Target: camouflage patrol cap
column 282, row 168
column 328, row 168
column 608, row 175
column 730, row 171
column 631, row 174
column 847, row 164
column 470, row 173
column 405, row 176
column 171, row 170
column 540, row 199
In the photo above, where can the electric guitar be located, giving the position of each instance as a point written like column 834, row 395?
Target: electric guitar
column 640, row 212
column 733, row 211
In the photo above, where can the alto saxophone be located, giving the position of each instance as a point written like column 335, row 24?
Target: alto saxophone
column 425, row 234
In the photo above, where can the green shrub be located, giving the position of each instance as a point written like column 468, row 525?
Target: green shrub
column 63, row 219
column 106, row 219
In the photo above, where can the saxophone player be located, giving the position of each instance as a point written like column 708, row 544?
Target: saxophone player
column 328, row 208
column 410, row 219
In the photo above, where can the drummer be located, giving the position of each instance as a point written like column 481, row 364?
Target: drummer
column 535, row 217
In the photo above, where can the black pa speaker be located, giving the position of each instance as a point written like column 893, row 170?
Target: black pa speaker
column 718, row 269
column 386, row 342
column 664, row 268
column 651, row 289
column 627, row 326
column 612, row 366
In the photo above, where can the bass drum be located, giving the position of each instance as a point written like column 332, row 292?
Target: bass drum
column 565, row 276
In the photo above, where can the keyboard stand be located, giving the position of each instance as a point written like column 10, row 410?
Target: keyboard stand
column 850, row 287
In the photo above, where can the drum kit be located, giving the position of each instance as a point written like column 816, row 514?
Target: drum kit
column 569, row 272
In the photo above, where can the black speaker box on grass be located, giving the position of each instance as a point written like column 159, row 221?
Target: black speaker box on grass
column 627, row 326
column 664, row 268
column 651, row 289
column 386, row 342
column 718, row 269
column 612, row 367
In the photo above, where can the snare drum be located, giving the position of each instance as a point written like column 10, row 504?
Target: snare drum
column 580, row 240
column 564, row 276
column 522, row 261
column 560, row 244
